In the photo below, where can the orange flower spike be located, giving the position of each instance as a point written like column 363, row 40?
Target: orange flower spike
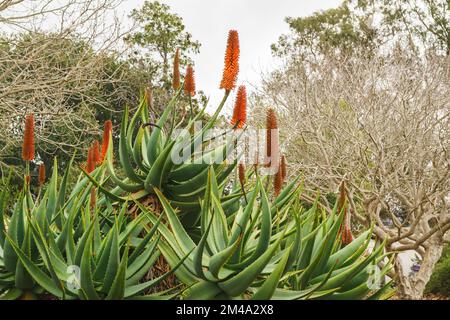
column 283, row 167
column 231, row 68
column 277, row 182
column 41, row 174
column 96, row 152
column 105, row 141
column 28, row 139
column 345, row 229
column 176, row 70
column 341, row 200
column 241, row 173
column 272, row 144
column 90, row 166
column 240, row 108
column 189, row 81
column 347, row 236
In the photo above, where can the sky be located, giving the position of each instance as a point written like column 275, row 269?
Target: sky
column 259, row 23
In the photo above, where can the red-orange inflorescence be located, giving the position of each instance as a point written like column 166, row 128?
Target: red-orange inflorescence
column 347, row 236
column 28, row 139
column 105, row 142
column 240, row 108
column 278, row 182
column 96, row 151
column 189, row 81
column 345, row 229
column 41, row 174
column 90, row 166
column 272, row 140
column 231, row 68
column 241, row 173
column 176, row 70
column 341, row 199
column 283, row 167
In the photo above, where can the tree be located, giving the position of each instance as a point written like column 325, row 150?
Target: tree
column 69, row 88
column 370, row 81
column 65, row 70
column 427, row 21
column 364, row 27
column 338, row 30
column 381, row 124
column 159, row 34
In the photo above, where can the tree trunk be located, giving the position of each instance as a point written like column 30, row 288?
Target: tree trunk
column 412, row 287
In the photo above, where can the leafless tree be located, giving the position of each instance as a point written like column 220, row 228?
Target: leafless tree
column 383, row 126
column 55, row 54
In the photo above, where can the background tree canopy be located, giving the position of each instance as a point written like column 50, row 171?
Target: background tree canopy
column 72, row 85
column 364, row 26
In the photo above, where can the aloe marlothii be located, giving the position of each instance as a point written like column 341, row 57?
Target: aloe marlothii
column 261, row 252
column 15, row 227
column 146, row 159
column 92, row 255
column 49, row 211
column 147, row 151
column 336, row 269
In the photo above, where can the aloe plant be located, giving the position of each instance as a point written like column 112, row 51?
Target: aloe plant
column 220, row 240
column 268, row 251
column 146, row 157
column 75, row 250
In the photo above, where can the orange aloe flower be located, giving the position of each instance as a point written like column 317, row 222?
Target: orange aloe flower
column 345, row 229
column 176, row 70
column 283, row 167
column 280, row 176
column 278, row 182
column 105, row 141
column 231, row 68
column 189, row 81
column 96, row 152
column 90, row 166
column 347, row 236
column 272, row 144
column 28, row 139
column 240, row 108
column 241, row 173
column 41, row 174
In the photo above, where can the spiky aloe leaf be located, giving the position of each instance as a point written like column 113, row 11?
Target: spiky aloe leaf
column 239, row 283
column 117, row 290
column 269, row 286
column 39, row 276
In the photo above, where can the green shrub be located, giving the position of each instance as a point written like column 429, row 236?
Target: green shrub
column 440, row 279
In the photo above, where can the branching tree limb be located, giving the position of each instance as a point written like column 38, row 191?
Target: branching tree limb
column 381, row 124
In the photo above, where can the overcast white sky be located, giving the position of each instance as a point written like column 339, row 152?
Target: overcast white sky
column 259, row 22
